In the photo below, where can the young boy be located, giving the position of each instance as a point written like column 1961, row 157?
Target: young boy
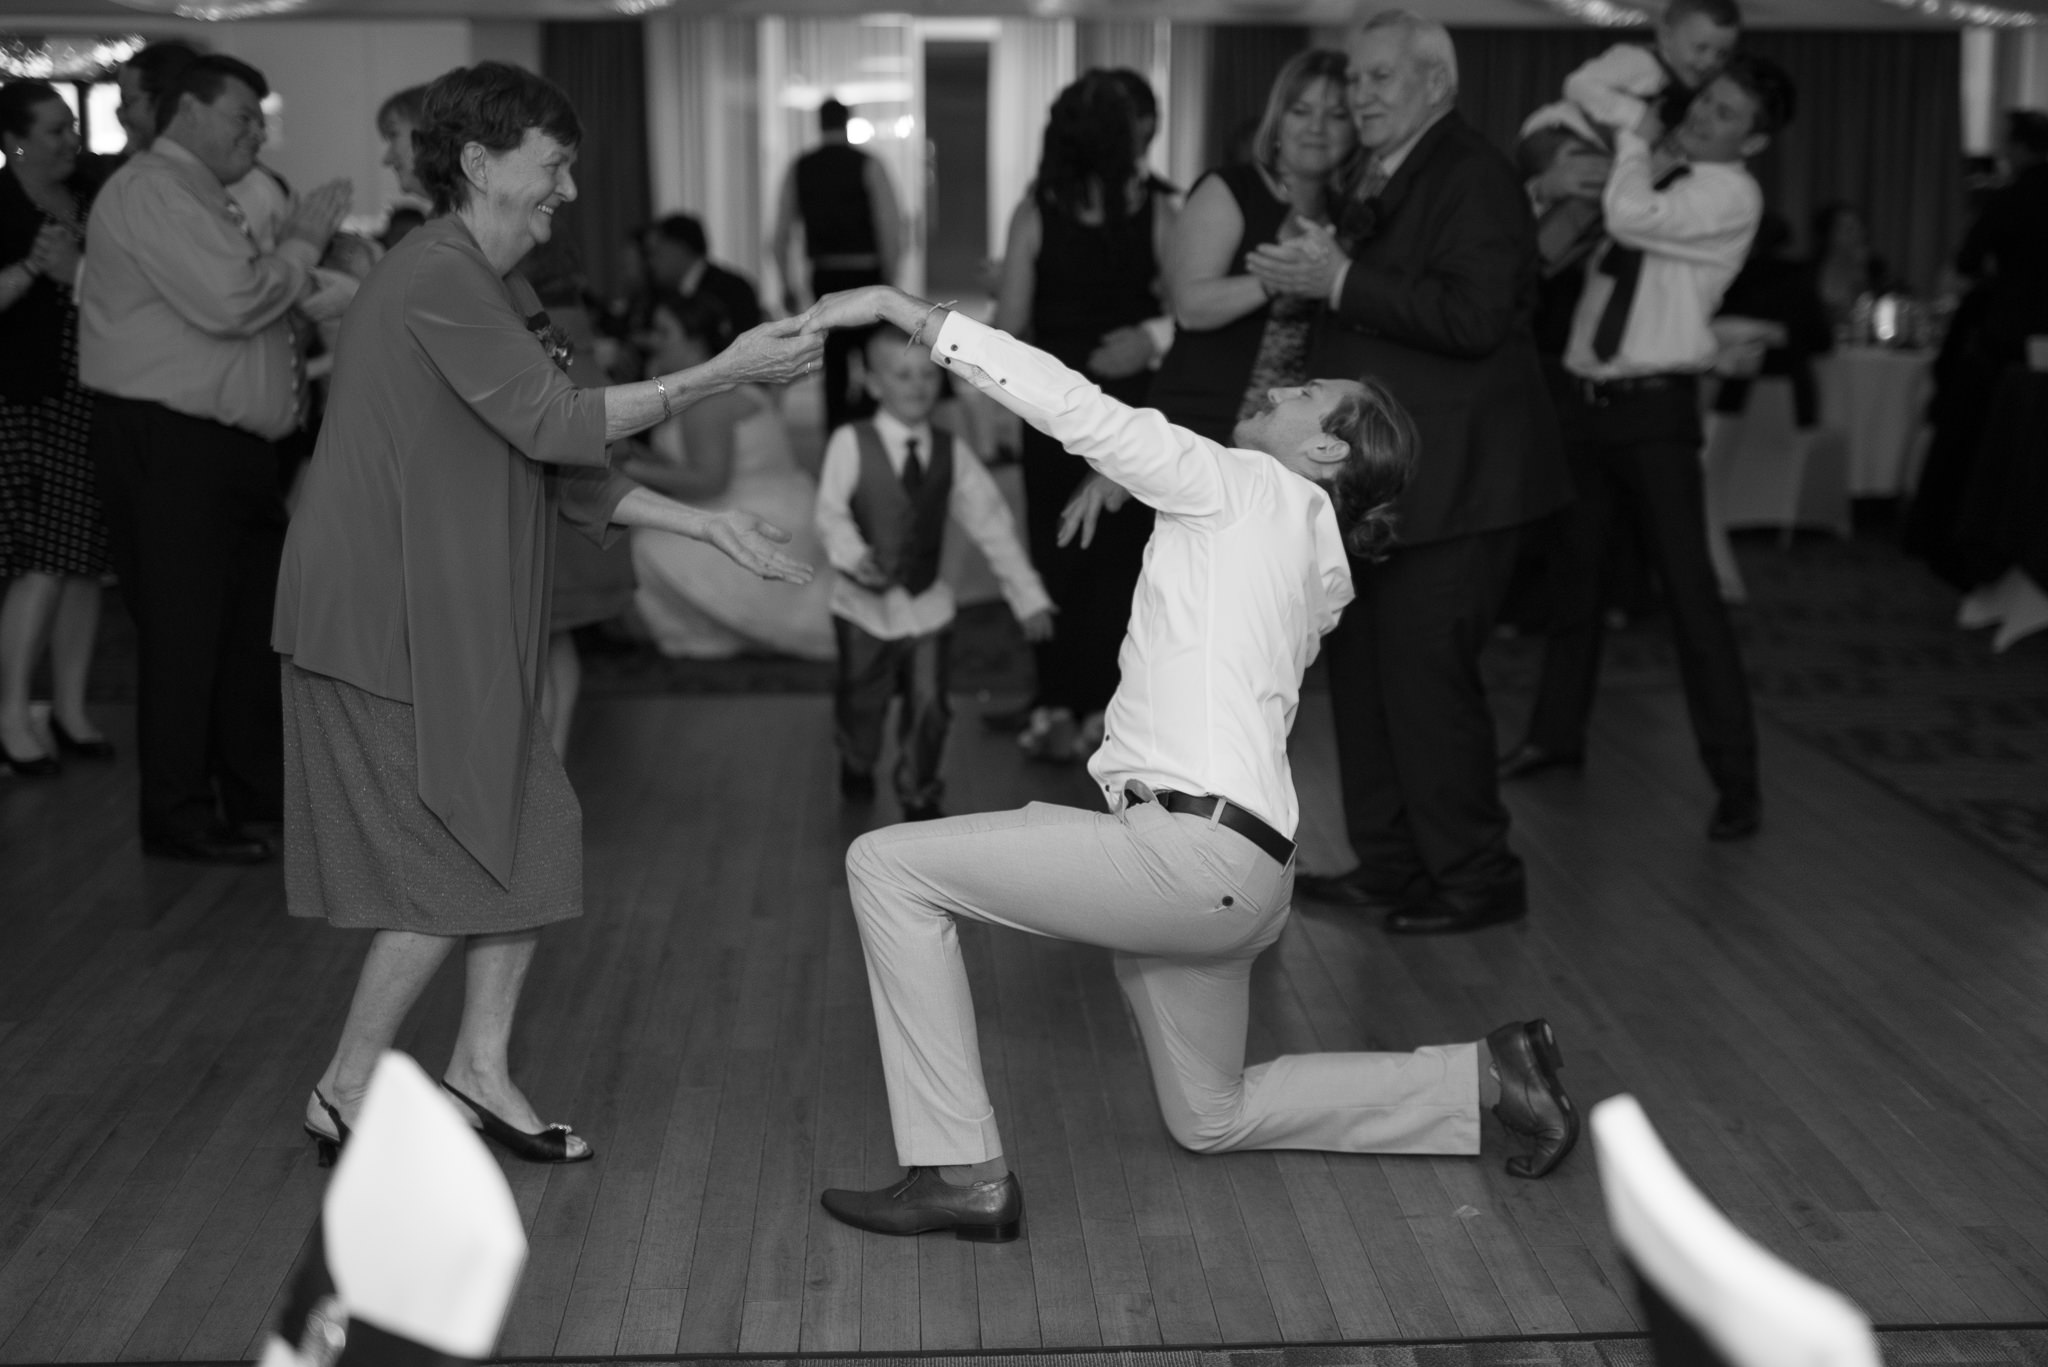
column 888, row 486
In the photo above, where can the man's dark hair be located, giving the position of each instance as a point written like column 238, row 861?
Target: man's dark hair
column 1719, row 13
column 18, row 101
column 1382, row 441
column 493, row 104
column 406, row 104
column 204, row 78
column 1768, row 87
column 684, row 230
column 833, row 116
column 156, row 67
column 2028, row 129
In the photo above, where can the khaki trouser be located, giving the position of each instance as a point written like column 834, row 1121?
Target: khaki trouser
column 1187, row 905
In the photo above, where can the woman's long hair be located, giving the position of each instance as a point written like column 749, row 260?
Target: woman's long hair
column 1090, row 151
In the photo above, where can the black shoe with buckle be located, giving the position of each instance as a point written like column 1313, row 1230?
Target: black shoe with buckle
column 981, row 1212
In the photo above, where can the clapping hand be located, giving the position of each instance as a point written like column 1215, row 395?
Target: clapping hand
column 1121, row 353
column 314, row 218
column 1306, row 265
column 1038, row 626
column 751, row 543
column 55, row 254
column 1098, row 495
column 776, row 352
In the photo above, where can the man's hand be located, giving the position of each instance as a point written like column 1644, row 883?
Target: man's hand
column 1650, row 128
column 55, row 254
column 1576, row 173
column 776, row 352
column 1306, row 265
column 1124, row 352
column 314, row 218
column 1097, row 495
column 869, row 573
column 750, row 542
column 1038, row 626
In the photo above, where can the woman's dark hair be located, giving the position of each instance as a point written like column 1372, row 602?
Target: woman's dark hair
column 702, row 319
column 1824, row 220
column 1090, row 149
column 407, row 104
column 1303, row 70
column 1144, row 103
column 18, row 101
column 1383, row 445
column 492, row 104
column 156, row 68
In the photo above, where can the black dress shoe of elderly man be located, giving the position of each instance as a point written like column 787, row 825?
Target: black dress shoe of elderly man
column 1528, row 759
column 1454, row 915
column 983, row 1212
column 222, row 845
column 1348, row 890
column 1532, row 1102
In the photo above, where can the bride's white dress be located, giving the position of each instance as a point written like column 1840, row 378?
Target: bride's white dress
column 700, row 605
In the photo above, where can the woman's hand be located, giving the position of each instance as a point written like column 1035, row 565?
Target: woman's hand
column 750, row 542
column 55, row 254
column 776, row 352
column 1098, row 495
column 856, row 308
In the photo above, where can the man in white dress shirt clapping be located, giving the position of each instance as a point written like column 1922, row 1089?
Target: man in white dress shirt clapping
column 1189, row 872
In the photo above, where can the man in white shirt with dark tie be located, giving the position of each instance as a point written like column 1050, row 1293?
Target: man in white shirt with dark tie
column 1680, row 222
column 1188, row 875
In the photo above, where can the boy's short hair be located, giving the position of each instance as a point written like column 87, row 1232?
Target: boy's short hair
column 1768, row 87
column 886, row 332
column 1719, row 13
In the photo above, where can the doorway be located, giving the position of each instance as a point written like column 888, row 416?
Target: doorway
column 956, row 76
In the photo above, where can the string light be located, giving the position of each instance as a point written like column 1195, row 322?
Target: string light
column 217, row 11
column 1600, row 13
column 64, row 59
column 1972, row 13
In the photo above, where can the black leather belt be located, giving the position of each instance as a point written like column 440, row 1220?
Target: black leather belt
column 1601, row 393
column 1225, row 813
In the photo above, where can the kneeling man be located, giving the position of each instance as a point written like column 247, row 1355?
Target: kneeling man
column 1188, row 874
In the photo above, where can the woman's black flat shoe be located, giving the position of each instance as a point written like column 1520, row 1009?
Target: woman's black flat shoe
column 85, row 749
column 328, row 1143
column 42, row 766
column 555, row 1144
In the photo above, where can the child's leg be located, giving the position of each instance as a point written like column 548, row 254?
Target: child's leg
column 862, row 686
column 927, row 713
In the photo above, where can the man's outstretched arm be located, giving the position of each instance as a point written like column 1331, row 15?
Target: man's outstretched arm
column 1165, row 466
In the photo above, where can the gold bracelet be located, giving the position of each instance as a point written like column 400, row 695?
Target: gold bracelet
column 662, row 390
column 919, row 331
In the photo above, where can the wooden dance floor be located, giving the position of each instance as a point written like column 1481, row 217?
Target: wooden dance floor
column 1841, row 1028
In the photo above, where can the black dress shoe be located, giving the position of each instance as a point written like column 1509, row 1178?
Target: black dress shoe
column 855, row 785
column 1532, row 1102
column 557, row 1143
column 85, row 749
column 1345, row 890
column 1526, row 759
column 1737, row 816
column 42, row 766
column 983, row 1212
column 214, row 847
column 1444, row 916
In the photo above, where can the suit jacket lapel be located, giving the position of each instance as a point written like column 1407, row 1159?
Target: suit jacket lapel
column 1367, row 220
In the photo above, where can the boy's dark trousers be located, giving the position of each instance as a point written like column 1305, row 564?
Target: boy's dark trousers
column 872, row 671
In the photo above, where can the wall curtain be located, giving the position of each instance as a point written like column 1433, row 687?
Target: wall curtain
column 601, row 67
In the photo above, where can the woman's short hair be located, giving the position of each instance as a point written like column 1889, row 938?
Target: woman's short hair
column 491, row 104
column 1303, row 70
column 406, row 104
column 702, row 318
column 18, row 102
column 1383, row 445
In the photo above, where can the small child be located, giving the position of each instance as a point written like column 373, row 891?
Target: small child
column 888, row 485
column 1693, row 41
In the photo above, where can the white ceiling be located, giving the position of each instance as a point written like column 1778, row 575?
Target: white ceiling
column 112, row 15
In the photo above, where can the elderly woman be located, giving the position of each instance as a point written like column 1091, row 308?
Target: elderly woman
column 53, row 543
column 424, row 802
column 1235, row 340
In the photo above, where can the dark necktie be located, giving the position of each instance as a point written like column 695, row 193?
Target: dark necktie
column 913, row 468
column 1625, row 264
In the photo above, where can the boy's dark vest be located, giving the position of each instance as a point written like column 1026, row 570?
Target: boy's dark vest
column 906, row 532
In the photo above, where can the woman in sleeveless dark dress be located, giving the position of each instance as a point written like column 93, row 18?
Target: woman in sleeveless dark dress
column 1235, row 342
column 53, row 541
column 1080, row 277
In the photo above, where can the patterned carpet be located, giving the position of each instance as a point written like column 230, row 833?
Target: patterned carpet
column 1849, row 645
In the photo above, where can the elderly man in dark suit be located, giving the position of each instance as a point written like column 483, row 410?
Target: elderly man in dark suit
column 1430, row 280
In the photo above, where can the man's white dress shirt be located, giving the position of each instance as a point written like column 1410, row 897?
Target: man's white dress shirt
column 1694, row 236
column 1244, row 574
column 976, row 506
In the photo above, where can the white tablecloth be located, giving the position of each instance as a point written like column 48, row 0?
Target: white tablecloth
column 1877, row 398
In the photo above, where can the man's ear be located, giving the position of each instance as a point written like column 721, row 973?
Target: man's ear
column 1326, row 449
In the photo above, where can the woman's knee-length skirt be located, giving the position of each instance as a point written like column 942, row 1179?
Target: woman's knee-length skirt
column 363, row 851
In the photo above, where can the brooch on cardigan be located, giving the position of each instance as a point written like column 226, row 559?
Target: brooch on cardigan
column 552, row 339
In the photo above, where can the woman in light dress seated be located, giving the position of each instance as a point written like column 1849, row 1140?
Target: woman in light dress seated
column 732, row 451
